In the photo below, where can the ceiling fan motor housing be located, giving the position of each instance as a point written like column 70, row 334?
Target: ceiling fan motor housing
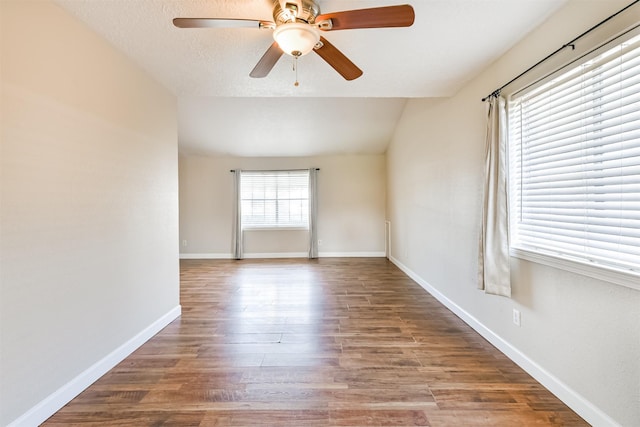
column 295, row 11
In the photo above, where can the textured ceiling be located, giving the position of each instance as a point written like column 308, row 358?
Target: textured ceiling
column 450, row 41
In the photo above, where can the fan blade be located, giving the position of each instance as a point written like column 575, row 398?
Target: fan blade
column 377, row 17
column 266, row 63
column 221, row 23
column 338, row 60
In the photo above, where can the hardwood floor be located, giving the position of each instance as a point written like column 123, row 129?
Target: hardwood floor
column 329, row 342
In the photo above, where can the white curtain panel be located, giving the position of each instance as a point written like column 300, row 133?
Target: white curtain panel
column 237, row 216
column 493, row 261
column 313, row 213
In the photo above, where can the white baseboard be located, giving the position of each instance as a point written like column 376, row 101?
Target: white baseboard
column 273, row 255
column 268, row 255
column 587, row 410
column 52, row 403
column 351, row 254
column 250, row 255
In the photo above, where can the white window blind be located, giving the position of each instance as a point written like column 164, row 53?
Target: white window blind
column 274, row 199
column 574, row 153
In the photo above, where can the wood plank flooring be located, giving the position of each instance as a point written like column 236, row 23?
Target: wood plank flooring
column 329, row 342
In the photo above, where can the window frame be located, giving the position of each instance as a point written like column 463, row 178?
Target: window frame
column 610, row 274
column 294, row 173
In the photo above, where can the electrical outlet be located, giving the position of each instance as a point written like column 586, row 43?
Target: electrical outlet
column 319, row 242
column 184, row 242
column 516, row 317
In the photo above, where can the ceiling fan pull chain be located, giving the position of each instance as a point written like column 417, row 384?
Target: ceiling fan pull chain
column 295, row 68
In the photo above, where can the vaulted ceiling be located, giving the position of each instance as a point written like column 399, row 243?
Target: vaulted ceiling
column 223, row 111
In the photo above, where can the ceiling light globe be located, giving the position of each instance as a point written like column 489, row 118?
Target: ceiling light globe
column 295, row 38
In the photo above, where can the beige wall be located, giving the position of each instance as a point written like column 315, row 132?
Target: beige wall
column 351, row 193
column 583, row 334
column 89, row 205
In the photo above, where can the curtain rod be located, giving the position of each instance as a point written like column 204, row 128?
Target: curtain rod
column 564, row 46
column 280, row 170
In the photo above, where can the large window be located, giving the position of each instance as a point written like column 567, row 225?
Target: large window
column 274, row 199
column 574, row 147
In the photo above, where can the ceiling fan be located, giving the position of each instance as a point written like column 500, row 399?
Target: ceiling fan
column 297, row 25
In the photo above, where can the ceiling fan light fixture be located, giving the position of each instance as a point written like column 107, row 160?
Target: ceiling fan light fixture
column 295, row 38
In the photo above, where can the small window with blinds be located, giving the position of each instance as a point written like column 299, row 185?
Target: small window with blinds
column 274, row 199
column 574, row 148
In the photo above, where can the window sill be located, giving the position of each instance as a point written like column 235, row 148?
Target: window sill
column 618, row 277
